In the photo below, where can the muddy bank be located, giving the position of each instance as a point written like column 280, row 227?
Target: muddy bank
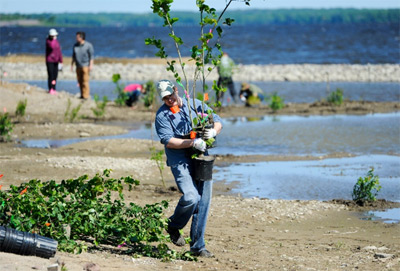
column 379, row 204
column 32, row 67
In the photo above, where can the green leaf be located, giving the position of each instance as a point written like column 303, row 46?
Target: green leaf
column 177, row 39
column 219, row 31
column 116, row 77
column 228, row 21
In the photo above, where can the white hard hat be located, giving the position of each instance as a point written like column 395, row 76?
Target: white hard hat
column 165, row 88
column 53, row 32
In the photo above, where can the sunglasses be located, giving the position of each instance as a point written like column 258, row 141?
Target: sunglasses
column 169, row 98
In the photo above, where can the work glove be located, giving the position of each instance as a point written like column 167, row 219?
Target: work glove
column 199, row 144
column 210, row 133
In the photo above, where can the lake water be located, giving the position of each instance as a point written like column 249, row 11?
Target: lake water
column 306, row 180
column 285, row 135
column 292, row 92
column 389, row 216
column 275, row 44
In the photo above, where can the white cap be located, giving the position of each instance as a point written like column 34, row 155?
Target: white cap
column 53, row 32
column 165, row 88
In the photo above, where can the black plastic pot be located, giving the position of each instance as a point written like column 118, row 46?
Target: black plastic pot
column 25, row 243
column 203, row 168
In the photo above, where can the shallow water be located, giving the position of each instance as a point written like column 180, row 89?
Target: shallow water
column 389, row 216
column 292, row 92
column 313, row 135
column 311, row 180
column 285, row 135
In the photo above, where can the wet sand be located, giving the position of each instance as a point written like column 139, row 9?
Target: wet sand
column 244, row 234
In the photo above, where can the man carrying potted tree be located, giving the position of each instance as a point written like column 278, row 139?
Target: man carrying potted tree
column 173, row 124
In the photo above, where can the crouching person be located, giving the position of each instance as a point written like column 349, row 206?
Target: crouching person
column 172, row 127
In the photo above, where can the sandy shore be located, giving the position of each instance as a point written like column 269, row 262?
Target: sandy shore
column 33, row 68
column 244, row 234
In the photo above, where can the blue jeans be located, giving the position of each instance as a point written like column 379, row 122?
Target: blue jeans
column 195, row 202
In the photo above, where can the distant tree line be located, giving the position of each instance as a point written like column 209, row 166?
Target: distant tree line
column 242, row 17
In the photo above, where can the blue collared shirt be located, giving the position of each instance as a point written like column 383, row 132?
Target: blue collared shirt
column 169, row 125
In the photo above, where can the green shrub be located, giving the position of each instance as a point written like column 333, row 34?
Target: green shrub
column 100, row 108
column 21, row 107
column 276, row 102
column 149, row 97
column 119, row 90
column 335, row 97
column 367, row 188
column 94, row 210
column 71, row 115
column 157, row 157
column 6, row 127
column 253, row 100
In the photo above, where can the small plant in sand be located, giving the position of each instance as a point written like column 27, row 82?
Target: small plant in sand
column 100, row 108
column 205, row 54
column 276, row 102
column 71, row 115
column 119, row 90
column 157, row 157
column 149, row 97
column 6, row 127
column 367, row 188
column 335, row 97
column 87, row 213
column 21, row 108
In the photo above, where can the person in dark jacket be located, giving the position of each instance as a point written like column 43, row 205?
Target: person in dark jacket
column 54, row 60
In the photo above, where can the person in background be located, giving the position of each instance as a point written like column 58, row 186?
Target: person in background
column 83, row 57
column 251, row 94
column 172, row 125
column 134, row 91
column 225, row 72
column 54, row 60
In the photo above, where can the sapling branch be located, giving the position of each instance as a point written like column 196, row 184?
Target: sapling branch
column 166, row 16
column 202, row 56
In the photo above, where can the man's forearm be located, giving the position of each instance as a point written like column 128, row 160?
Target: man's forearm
column 177, row 143
column 218, row 127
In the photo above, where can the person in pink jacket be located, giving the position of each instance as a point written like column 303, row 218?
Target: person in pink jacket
column 53, row 59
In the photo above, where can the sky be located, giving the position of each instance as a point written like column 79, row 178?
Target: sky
column 141, row 6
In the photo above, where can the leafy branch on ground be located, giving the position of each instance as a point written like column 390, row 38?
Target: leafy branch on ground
column 100, row 108
column 84, row 212
column 21, row 108
column 71, row 115
column 367, row 188
column 122, row 96
column 6, row 127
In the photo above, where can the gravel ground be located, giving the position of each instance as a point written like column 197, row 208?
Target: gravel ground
column 33, row 68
